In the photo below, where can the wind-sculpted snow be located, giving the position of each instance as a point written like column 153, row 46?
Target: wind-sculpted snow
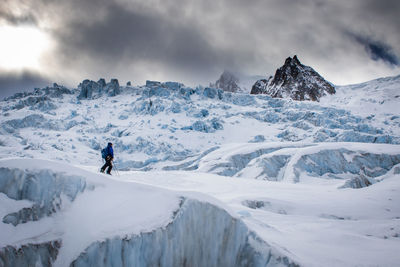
column 357, row 165
column 199, row 235
column 47, row 191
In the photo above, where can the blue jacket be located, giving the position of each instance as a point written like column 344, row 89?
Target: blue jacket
column 110, row 151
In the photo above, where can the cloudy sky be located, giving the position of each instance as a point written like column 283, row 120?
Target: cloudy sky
column 66, row 41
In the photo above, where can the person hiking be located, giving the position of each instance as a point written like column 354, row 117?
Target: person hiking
column 108, row 154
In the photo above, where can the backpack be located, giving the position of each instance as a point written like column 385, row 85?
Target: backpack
column 104, row 153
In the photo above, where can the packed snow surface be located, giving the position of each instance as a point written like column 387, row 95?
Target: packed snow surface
column 263, row 181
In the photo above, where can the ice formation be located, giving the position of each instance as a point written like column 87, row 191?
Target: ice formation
column 162, row 122
column 197, row 233
column 206, row 177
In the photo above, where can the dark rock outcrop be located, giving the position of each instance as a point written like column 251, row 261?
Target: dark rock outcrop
column 294, row 80
column 228, row 82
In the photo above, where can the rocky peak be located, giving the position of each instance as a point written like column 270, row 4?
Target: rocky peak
column 228, row 82
column 296, row 81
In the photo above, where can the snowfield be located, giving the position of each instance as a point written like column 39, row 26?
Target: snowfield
column 203, row 177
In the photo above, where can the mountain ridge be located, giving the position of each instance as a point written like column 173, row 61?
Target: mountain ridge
column 296, row 81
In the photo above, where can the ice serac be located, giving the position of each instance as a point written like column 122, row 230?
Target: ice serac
column 44, row 188
column 356, row 165
column 294, row 80
column 361, row 166
column 91, row 89
column 200, row 235
column 43, row 254
column 112, row 88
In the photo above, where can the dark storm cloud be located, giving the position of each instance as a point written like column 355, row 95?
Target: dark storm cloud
column 20, row 82
column 378, row 50
column 386, row 11
column 194, row 41
column 128, row 35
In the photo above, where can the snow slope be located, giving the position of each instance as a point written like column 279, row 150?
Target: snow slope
column 115, row 223
column 262, row 181
column 315, row 223
column 378, row 99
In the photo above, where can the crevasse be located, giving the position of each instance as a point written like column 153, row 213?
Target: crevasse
column 200, row 235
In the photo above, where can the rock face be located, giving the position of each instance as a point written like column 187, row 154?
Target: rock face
column 296, row 81
column 228, row 82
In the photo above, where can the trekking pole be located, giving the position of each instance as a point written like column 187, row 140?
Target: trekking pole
column 115, row 166
column 102, row 163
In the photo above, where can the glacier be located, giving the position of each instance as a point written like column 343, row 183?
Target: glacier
column 196, row 232
column 159, row 121
column 202, row 177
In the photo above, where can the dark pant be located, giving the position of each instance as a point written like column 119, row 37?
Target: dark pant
column 107, row 164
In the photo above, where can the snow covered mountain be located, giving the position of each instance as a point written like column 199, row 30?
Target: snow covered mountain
column 296, row 81
column 259, row 181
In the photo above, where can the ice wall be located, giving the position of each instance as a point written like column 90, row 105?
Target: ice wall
column 343, row 161
column 359, row 164
column 30, row 255
column 43, row 187
column 238, row 162
column 200, row 235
